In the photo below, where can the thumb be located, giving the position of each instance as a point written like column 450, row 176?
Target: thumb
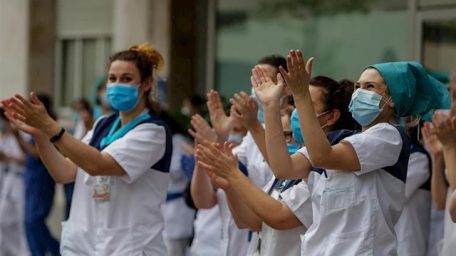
column 309, row 65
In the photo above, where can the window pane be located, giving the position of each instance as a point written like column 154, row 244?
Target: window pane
column 68, row 69
column 344, row 36
column 89, row 69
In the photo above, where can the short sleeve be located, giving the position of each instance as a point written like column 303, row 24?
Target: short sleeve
column 303, row 151
column 377, row 147
column 241, row 150
column 417, row 173
column 298, row 199
column 138, row 150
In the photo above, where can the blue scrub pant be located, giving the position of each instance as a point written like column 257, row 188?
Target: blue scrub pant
column 39, row 196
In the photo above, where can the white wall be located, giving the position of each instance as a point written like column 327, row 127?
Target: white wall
column 14, row 32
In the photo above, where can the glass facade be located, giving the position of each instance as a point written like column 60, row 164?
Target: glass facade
column 343, row 36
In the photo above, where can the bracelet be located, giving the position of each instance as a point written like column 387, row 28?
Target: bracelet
column 57, row 137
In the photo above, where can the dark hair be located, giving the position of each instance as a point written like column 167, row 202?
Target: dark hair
column 47, row 102
column 274, row 60
column 85, row 105
column 337, row 95
column 146, row 59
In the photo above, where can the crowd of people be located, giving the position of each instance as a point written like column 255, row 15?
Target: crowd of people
column 301, row 165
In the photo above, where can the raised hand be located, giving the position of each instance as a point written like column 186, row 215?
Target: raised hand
column 217, row 159
column 445, row 128
column 16, row 118
column 218, row 181
column 201, row 130
column 220, row 121
column 24, row 113
column 431, row 141
column 298, row 75
column 265, row 88
column 244, row 108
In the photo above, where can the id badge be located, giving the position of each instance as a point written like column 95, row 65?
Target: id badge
column 102, row 188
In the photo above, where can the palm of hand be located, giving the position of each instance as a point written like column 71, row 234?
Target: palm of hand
column 269, row 91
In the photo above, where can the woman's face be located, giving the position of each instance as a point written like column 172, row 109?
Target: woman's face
column 317, row 96
column 124, row 72
column 371, row 80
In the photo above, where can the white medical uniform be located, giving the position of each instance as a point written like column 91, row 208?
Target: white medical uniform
column 12, row 235
column 248, row 153
column 435, row 231
column 449, row 231
column 234, row 241
column 412, row 229
column 208, row 236
column 178, row 216
column 131, row 222
column 271, row 242
column 354, row 213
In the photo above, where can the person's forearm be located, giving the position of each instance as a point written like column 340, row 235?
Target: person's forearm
column 439, row 187
column 449, row 153
column 317, row 144
column 88, row 158
column 60, row 168
column 259, row 136
column 27, row 148
column 243, row 216
column 277, row 151
column 202, row 191
column 452, row 207
column 263, row 205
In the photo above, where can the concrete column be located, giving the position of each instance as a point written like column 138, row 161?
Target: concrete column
column 130, row 23
column 159, row 30
column 14, row 42
column 42, row 46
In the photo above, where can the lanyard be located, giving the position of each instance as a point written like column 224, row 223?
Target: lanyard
column 114, row 135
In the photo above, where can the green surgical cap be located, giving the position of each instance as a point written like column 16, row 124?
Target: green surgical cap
column 413, row 90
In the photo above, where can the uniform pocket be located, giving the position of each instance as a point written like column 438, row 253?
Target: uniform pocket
column 349, row 243
column 339, row 192
column 75, row 240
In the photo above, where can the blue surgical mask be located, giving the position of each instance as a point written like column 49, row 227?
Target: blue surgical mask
column 296, row 126
column 293, row 148
column 260, row 113
column 235, row 138
column 365, row 106
column 123, row 97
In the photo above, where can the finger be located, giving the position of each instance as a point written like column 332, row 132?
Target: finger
column 263, row 74
column 280, row 79
column 253, row 82
column 205, row 166
column 284, row 73
column 256, row 76
column 23, row 100
column 309, row 65
column 299, row 59
column 290, row 64
column 35, row 100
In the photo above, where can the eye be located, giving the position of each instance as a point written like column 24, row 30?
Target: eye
column 357, row 86
column 370, row 86
column 112, row 79
column 126, row 79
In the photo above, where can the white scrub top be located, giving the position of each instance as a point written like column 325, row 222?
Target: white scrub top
column 281, row 242
column 412, row 229
column 12, row 231
column 354, row 213
column 248, row 154
column 234, row 241
column 208, row 235
column 131, row 222
column 178, row 216
column 449, row 230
